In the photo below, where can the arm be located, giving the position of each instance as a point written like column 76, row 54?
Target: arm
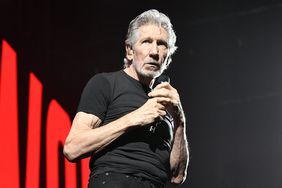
column 86, row 136
column 179, row 156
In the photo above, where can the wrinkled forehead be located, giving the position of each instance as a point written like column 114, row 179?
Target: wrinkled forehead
column 149, row 31
column 152, row 30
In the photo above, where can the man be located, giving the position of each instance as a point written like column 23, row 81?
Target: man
column 135, row 134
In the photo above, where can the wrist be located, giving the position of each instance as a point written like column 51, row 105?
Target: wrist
column 179, row 116
column 128, row 121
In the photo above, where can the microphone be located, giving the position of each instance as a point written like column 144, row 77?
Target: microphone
column 158, row 80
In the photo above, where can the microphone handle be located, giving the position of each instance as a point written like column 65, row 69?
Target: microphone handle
column 158, row 80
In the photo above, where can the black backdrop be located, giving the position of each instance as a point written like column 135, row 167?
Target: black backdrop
column 227, row 70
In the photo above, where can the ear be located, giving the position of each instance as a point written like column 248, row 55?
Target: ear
column 129, row 52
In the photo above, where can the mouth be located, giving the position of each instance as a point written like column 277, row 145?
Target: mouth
column 154, row 64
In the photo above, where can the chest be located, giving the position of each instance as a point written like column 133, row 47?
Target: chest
column 125, row 98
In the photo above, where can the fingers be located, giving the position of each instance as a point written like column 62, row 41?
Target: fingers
column 161, row 93
column 164, row 85
column 151, row 111
column 160, row 107
column 165, row 90
column 161, row 115
column 168, row 96
column 163, row 100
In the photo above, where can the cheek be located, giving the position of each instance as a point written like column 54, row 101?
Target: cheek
column 140, row 55
column 163, row 56
column 163, row 52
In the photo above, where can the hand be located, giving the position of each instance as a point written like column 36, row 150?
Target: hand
column 171, row 99
column 150, row 112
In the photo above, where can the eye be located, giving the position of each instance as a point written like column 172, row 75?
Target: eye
column 147, row 41
column 162, row 43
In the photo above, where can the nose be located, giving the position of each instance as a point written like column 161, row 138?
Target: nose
column 154, row 51
column 154, row 48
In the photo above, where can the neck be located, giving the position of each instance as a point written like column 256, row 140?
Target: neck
column 143, row 79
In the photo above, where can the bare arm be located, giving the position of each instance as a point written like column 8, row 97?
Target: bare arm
column 87, row 136
column 179, row 156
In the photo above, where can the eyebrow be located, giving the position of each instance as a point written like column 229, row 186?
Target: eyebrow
column 164, row 42
column 159, row 41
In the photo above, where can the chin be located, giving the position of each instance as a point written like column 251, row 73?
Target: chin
column 152, row 74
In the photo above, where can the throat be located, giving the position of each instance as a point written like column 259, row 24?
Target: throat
column 145, row 80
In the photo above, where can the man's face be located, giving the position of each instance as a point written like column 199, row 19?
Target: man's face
column 150, row 51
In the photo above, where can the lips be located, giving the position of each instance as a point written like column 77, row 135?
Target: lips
column 154, row 64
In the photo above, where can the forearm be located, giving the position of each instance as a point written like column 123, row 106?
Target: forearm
column 179, row 157
column 87, row 137
column 81, row 142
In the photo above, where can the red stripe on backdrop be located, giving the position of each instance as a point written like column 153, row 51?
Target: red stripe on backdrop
column 9, row 158
column 58, row 126
column 33, row 133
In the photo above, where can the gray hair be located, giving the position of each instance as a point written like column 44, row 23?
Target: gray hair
column 151, row 17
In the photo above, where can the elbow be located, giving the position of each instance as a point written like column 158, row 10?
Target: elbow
column 70, row 153
column 178, row 179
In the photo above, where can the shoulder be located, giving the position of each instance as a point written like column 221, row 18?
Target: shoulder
column 103, row 82
column 105, row 76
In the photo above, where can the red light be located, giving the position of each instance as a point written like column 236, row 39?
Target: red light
column 9, row 158
column 33, row 133
column 58, row 126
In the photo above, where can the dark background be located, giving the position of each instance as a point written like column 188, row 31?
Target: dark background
column 227, row 70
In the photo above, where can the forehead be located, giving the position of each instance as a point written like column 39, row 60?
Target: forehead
column 153, row 31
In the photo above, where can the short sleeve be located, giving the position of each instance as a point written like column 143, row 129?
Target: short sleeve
column 95, row 96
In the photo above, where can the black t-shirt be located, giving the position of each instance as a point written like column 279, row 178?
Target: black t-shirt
column 140, row 152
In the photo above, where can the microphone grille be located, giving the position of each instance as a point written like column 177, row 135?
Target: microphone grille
column 160, row 79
